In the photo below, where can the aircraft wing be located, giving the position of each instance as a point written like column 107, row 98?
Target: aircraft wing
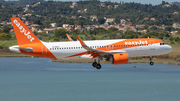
column 94, row 52
column 69, row 38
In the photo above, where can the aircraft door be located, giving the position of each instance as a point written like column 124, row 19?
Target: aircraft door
column 43, row 49
column 152, row 46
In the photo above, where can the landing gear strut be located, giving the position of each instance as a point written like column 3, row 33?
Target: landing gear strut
column 96, row 65
column 151, row 63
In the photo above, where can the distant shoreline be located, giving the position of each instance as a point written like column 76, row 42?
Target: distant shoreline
column 80, row 60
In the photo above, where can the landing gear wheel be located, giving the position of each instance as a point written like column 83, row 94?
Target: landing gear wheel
column 98, row 66
column 94, row 64
column 151, row 63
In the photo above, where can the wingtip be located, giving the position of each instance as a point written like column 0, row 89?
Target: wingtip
column 80, row 40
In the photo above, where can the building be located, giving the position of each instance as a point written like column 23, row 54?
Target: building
column 176, row 13
column 123, row 21
column 140, row 26
column 53, row 25
column 116, row 6
column 128, row 24
column 176, row 25
column 153, row 19
column 110, row 20
column 49, row 30
column 109, row 6
column 65, row 25
column 71, row 6
column 142, row 31
column 74, row 4
column 174, row 32
column 146, row 19
column 102, row 4
column 92, row 17
column 27, row 22
column 34, row 25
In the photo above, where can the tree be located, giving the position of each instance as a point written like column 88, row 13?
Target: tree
column 6, row 29
column 5, row 36
column 169, row 29
column 101, row 20
column 37, row 21
column 179, row 31
column 112, row 29
column 163, row 2
column 61, row 33
column 153, row 28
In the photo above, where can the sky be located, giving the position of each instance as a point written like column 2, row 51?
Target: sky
column 153, row 2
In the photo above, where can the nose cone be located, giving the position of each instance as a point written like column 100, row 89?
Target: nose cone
column 169, row 48
column 14, row 49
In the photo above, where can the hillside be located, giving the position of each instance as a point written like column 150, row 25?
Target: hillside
column 19, row 2
column 176, row 3
column 92, row 12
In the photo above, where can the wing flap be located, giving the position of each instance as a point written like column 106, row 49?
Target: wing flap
column 94, row 52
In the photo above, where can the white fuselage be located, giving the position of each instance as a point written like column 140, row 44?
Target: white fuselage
column 65, row 49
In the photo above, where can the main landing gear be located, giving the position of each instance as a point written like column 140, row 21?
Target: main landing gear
column 151, row 63
column 96, row 65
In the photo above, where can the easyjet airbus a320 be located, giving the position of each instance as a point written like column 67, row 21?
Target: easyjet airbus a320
column 115, row 51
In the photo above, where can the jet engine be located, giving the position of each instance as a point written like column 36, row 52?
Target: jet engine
column 119, row 58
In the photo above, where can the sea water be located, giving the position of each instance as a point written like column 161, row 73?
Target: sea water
column 39, row 79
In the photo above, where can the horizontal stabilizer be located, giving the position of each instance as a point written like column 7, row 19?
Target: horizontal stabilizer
column 28, row 49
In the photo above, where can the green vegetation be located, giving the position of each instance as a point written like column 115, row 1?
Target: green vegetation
column 61, row 12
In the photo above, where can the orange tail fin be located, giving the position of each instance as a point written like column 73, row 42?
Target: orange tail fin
column 23, row 33
column 28, row 42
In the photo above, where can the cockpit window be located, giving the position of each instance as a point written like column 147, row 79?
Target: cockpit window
column 162, row 43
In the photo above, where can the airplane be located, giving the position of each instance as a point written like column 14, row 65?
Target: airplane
column 115, row 51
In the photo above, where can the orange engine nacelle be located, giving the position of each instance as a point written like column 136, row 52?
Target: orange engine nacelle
column 120, row 58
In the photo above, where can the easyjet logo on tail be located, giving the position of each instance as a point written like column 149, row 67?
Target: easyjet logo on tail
column 23, row 30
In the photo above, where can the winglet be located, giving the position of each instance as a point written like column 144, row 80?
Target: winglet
column 82, row 43
column 69, row 38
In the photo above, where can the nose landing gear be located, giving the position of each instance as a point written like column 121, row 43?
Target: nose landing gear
column 151, row 63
